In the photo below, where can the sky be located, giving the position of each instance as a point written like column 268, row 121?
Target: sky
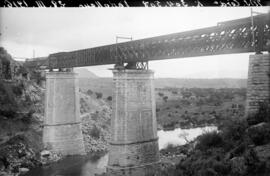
column 38, row 32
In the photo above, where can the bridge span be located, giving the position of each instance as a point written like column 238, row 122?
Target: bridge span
column 134, row 144
column 236, row 36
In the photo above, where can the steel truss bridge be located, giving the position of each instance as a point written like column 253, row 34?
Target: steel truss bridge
column 236, row 36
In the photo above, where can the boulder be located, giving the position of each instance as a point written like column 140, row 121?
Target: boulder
column 23, row 170
column 259, row 133
column 45, row 153
column 263, row 152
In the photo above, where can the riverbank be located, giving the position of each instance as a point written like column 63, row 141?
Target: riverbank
column 21, row 119
column 240, row 148
column 77, row 165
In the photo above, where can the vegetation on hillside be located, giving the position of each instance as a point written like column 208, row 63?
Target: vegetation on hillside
column 187, row 108
column 96, row 115
column 21, row 112
column 239, row 148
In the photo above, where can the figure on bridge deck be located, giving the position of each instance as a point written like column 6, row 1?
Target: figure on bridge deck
column 131, row 65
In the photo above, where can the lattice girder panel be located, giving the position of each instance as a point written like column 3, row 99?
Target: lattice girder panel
column 234, row 36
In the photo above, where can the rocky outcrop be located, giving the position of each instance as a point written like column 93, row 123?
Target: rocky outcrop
column 17, row 156
column 259, row 133
column 47, row 157
column 95, row 128
column 263, row 152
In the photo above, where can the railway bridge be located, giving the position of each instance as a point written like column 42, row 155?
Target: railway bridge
column 134, row 142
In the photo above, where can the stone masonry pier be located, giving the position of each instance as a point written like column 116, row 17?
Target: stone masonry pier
column 258, row 86
column 134, row 143
column 62, row 126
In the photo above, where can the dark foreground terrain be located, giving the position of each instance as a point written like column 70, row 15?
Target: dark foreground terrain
column 239, row 148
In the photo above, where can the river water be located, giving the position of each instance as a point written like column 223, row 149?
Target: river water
column 91, row 165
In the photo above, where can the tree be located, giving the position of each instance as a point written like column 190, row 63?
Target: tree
column 165, row 98
column 89, row 92
column 109, row 98
column 160, row 94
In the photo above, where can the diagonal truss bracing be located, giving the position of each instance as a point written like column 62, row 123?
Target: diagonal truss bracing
column 226, row 38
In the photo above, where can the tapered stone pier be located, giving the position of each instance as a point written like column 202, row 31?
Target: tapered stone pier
column 134, row 143
column 62, row 126
column 258, row 86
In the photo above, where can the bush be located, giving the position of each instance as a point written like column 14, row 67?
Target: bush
column 208, row 172
column 254, row 165
column 263, row 114
column 260, row 133
column 26, row 118
column 174, row 92
column 95, row 132
column 161, row 94
column 221, row 168
column 209, row 140
column 98, row 95
column 165, row 98
column 18, row 90
column 234, row 130
column 109, row 98
column 89, row 92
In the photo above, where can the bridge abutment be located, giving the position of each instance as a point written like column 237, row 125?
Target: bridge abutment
column 134, row 143
column 258, row 85
column 62, row 126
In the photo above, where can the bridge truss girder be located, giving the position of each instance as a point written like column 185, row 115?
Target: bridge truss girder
column 226, row 38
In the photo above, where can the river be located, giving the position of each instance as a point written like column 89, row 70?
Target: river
column 96, row 164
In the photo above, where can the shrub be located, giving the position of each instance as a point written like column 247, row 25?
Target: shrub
column 259, row 134
column 208, row 172
column 263, row 114
column 89, row 92
column 221, row 168
column 18, row 90
column 161, row 94
column 98, row 95
column 209, row 140
column 165, row 98
column 26, row 118
column 95, row 132
column 170, row 148
column 234, row 129
column 174, row 92
column 109, row 98
column 254, row 165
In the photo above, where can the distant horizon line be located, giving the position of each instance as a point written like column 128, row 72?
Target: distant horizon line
column 167, row 78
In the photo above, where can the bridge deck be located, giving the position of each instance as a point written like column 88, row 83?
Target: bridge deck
column 229, row 37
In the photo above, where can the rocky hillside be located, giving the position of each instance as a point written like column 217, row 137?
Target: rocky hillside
column 95, row 114
column 104, row 85
column 21, row 118
column 21, row 112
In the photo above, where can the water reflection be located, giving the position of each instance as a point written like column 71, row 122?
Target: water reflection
column 73, row 166
column 181, row 136
column 96, row 164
